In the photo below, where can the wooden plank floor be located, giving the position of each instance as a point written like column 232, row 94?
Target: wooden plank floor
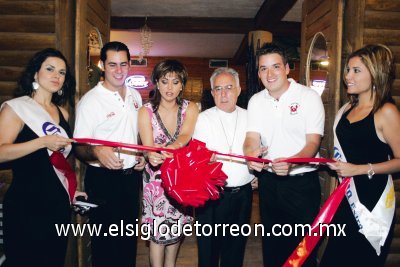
column 187, row 256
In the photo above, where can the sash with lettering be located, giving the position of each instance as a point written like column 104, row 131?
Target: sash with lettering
column 375, row 224
column 41, row 123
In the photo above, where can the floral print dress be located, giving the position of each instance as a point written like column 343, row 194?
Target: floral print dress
column 158, row 208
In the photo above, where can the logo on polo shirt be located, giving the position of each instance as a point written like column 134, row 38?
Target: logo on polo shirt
column 111, row 114
column 293, row 108
column 135, row 104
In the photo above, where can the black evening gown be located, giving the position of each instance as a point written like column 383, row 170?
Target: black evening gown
column 35, row 201
column 360, row 145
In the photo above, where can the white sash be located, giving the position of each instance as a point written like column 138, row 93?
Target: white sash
column 375, row 225
column 41, row 123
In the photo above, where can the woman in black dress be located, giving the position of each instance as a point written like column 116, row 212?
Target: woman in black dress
column 37, row 198
column 367, row 147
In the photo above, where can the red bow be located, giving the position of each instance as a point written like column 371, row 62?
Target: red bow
column 190, row 178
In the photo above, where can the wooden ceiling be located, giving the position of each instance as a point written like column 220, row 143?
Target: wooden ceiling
column 269, row 18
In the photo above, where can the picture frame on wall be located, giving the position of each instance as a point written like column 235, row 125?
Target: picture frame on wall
column 139, row 63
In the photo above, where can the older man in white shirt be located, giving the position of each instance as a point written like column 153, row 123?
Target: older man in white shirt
column 223, row 128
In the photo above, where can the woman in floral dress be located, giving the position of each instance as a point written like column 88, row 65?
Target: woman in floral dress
column 167, row 120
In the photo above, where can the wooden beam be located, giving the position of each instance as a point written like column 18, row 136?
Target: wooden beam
column 185, row 24
column 268, row 18
column 272, row 11
column 284, row 29
column 241, row 54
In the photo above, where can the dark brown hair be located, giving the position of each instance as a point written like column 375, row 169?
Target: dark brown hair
column 161, row 70
column 378, row 59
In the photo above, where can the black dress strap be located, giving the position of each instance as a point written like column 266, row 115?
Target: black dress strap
column 61, row 116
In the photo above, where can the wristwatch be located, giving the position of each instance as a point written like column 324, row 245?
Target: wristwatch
column 371, row 171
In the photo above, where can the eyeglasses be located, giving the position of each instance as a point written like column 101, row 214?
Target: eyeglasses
column 228, row 88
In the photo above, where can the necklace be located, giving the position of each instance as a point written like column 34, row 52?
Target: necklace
column 226, row 136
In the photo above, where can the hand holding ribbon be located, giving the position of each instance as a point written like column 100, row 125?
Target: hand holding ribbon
column 189, row 177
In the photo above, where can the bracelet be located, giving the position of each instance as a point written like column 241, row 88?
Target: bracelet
column 371, row 171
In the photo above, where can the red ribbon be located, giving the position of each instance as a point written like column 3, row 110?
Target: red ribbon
column 159, row 149
column 307, row 245
column 92, row 141
column 60, row 163
column 190, row 178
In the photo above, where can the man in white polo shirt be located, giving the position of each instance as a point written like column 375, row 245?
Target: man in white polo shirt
column 223, row 129
column 109, row 112
column 285, row 120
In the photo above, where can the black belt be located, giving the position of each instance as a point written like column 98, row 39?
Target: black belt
column 293, row 175
column 303, row 173
column 235, row 189
column 297, row 174
column 127, row 171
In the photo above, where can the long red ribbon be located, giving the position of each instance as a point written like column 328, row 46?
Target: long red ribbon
column 325, row 216
column 60, row 163
column 158, row 149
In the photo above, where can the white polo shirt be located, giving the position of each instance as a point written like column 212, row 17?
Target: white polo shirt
column 284, row 123
column 103, row 114
column 210, row 127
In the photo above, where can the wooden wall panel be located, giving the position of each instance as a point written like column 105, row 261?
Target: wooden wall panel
column 388, row 37
column 10, row 73
column 325, row 17
column 100, row 9
column 95, row 21
column 382, row 20
column 313, row 4
column 322, row 26
column 315, row 13
column 27, row 23
column 17, row 41
column 15, row 58
column 89, row 14
column 7, row 88
column 383, row 5
column 64, row 16
column 27, row 7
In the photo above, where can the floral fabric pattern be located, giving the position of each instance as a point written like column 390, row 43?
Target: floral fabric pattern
column 158, row 208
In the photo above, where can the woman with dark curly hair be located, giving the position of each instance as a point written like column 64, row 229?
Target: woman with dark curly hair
column 33, row 126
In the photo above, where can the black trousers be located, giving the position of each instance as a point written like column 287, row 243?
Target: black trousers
column 118, row 194
column 232, row 208
column 287, row 200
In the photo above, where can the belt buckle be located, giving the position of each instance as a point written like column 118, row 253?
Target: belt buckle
column 235, row 190
column 127, row 171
